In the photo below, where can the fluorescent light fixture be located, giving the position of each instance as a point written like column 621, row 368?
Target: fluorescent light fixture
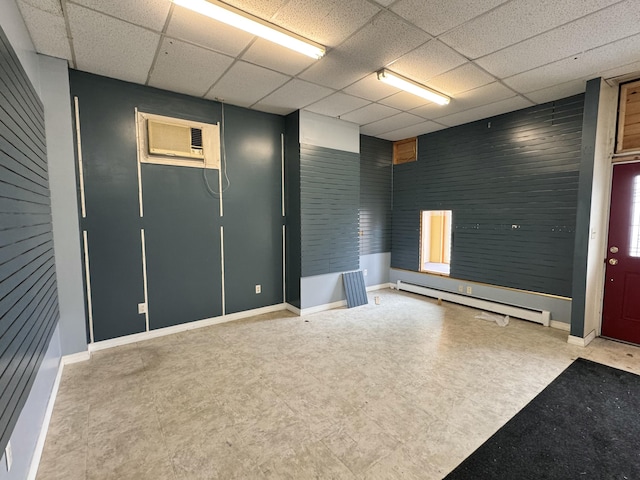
column 239, row 19
column 407, row 85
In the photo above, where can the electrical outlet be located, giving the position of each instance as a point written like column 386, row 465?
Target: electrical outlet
column 461, row 288
column 142, row 308
column 469, row 290
column 258, row 288
column 8, row 455
column 364, row 272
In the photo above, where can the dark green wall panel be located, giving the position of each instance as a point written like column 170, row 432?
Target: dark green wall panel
column 253, row 209
column 292, row 208
column 329, row 199
column 28, row 290
column 182, row 218
column 511, row 182
column 376, row 182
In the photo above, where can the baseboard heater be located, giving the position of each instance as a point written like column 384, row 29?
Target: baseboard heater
column 539, row 316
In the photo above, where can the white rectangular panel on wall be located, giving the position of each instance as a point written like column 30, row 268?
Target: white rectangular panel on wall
column 328, row 132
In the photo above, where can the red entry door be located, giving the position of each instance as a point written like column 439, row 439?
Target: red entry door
column 621, row 311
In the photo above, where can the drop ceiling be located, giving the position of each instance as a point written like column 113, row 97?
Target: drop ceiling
column 490, row 56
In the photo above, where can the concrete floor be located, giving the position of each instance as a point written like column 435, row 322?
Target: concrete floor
column 405, row 389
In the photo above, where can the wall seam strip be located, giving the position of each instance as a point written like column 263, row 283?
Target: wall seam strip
column 144, row 278
column 80, row 169
column 87, row 275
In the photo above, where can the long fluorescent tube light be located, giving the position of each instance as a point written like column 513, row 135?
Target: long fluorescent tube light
column 407, row 85
column 239, row 19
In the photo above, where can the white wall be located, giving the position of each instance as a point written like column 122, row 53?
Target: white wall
column 25, row 435
column 329, row 132
column 64, row 203
column 600, row 202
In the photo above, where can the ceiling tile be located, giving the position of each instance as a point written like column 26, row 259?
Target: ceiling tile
column 485, row 111
column 491, row 93
column 275, row 57
column 404, row 101
column 238, row 85
column 292, row 96
column 461, row 79
column 436, row 16
column 147, row 13
column 371, row 88
column 582, row 65
column 336, row 105
column 369, row 114
column 390, row 124
column 327, row 22
column 48, row 31
column 185, row 68
column 623, row 70
column 258, row 8
column 336, row 70
column 188, row 25
column 99, row 42
column 558, row 91
column 375, row 46
column 516, row 21
column 50, row 6
column 412, row 131
column 427, row 61
column 575, row 37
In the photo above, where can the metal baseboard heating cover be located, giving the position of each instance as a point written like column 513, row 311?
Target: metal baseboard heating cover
column 539, row 316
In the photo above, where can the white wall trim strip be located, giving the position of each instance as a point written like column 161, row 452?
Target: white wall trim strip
column 282, row 171
column 76, row 357
column 183, row 327
column 292, row 309
column 143, row 242
column 560, row 325
column 323, row 308
column 381, row 286
column 87, row 275
column 539, row 316
column 222, row 268
column 139, row 167
column 581, row 342
column 80, row 169
column 284, row 263
column 37, row 454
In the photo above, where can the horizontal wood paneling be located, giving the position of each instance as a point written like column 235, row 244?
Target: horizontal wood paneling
column 28, row 291
column 511, row 182
column 329, row 199
column 375, row 195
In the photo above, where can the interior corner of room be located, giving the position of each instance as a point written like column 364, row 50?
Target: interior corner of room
column 172, row 208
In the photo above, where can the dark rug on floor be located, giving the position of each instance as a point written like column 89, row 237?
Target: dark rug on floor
column 584, row 425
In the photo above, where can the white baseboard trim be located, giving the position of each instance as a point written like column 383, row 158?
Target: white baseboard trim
column 183, row 327
column 76, row 357
column 37, row 454
column 323, row 308
column 292, row 309
column 382, row 286
column 560, row 325
column 581, row 342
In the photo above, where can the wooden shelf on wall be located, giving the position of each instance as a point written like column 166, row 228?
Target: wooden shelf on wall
column 628, row 140
column 405, row 151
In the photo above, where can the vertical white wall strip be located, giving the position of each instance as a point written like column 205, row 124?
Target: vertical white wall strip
column 139, row 168
column 83, row 207
column 144, row 278
column 222, row 266
column 220, row 189
column 282, row 168
column 88, row 283
column 284, row 263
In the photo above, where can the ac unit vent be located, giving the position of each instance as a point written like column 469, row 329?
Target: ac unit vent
column 173, row 141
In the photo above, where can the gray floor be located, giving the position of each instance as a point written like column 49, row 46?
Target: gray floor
column 405, row 389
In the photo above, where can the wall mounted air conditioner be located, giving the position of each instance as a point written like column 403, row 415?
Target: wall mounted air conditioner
column 177, row 142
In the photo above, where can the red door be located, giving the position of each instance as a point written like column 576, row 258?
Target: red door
column 621, row 312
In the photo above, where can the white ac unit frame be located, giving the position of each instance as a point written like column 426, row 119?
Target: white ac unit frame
column 210, row 143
